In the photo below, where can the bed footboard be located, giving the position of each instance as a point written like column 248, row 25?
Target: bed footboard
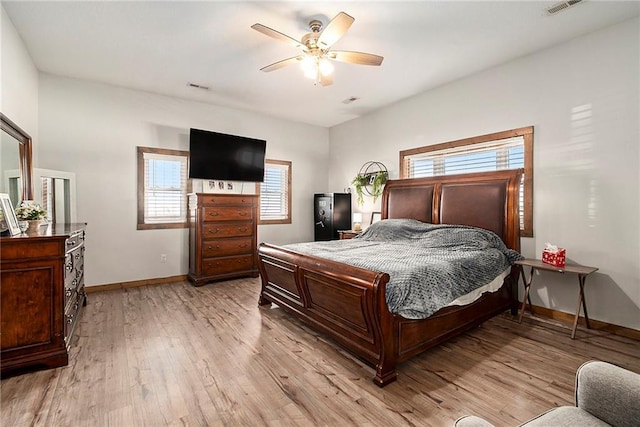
column 343, row 302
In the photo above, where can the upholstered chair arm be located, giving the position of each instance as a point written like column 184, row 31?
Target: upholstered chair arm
column 472, row 421
column 609, row 393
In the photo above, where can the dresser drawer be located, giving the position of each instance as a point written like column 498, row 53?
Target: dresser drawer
column 210, row 231
column 69, row 291
column 15, row 249
column 216, row 248
column 70, row 303
column 73, row 270
column 215, row 266
column 74, row 241
column 227, row 213
column 218, row 200
column 71, row 313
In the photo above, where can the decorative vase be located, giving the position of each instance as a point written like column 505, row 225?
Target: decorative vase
column 35, row 223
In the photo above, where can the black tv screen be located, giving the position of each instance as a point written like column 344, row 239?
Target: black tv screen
column 214, row 155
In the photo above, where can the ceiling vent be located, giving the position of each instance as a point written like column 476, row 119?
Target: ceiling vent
column 563, row 5
column 197, row 86
column 350, row 100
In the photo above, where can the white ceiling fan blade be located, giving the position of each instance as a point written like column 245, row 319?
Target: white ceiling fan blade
column 276, row 35
column 282, row 64
column 334, row 30
column 356, row 57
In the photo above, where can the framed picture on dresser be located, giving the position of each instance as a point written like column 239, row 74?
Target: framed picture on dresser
column 9, row 218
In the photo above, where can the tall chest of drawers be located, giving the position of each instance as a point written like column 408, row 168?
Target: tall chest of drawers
column 222, row 236
column 42, row 287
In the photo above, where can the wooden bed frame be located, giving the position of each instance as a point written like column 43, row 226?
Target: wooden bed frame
column 348, row 303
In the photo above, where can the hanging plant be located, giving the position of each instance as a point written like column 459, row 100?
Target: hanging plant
column 370, row 180
column 359, row 183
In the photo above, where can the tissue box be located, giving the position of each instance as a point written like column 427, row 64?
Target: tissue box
column 557, row 259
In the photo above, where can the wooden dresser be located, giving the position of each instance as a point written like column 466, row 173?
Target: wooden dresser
column 42, row 291
column 222, row 236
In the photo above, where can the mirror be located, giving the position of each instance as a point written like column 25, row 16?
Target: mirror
column 15, row 154
column 54, row 190
column 10, row 167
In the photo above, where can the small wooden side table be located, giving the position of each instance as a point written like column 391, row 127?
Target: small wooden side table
column 581, row 270
column 348, row 234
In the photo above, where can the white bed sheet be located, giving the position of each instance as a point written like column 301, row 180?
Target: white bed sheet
column 492, row 286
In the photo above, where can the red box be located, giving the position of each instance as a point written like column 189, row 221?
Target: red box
column 557, row 259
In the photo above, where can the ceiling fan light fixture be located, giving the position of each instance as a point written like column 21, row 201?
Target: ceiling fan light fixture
column 325, row 66
column 308, row 65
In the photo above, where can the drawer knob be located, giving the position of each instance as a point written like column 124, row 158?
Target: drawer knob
column 243, row 213
column 243, row 229
column 214, row 213
column 214, row 231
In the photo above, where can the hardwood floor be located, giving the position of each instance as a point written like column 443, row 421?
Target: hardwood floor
column 174, row 354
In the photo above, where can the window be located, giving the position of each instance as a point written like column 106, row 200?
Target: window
column 275, row 193
column 162, row 188
column 510, row 149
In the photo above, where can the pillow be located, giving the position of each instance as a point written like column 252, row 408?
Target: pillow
column 395, row 229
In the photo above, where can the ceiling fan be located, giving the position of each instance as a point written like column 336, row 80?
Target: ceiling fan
column 316, row 49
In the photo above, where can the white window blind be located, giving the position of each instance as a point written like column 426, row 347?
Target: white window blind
column 274, row 192
column 165, row 184
column 481, row 157
column 487, row 156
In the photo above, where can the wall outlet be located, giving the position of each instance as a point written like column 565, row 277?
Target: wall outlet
column 163, row 258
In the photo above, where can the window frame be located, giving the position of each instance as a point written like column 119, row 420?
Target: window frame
column 525, row 132
column 141, row 199
column 286, row 220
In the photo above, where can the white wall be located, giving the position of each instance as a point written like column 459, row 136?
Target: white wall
column 93, row 130
column 582, row 98
column 18, row 80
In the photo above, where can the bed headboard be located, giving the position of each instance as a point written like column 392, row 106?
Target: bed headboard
column 487, row 200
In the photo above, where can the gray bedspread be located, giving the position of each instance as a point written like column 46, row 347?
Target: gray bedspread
column 429, row 265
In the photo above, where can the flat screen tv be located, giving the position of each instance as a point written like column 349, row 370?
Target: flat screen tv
column 214, row 155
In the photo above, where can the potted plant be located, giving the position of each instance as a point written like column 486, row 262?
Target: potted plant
column 371, row 183
column 28, row 210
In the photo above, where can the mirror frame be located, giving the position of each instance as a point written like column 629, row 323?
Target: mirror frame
column 26, row 165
